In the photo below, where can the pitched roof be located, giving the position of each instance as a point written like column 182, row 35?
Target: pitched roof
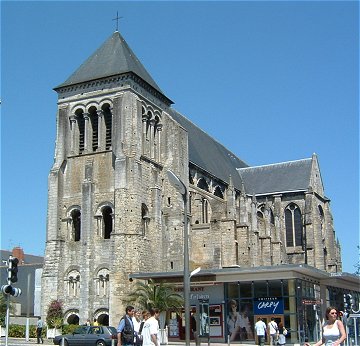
column 113, row 57
column 278, row 177
column 208, row 154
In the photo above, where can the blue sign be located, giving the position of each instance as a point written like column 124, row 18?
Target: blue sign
column 268, row 306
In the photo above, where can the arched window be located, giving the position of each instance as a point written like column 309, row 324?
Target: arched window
column 260, row 211
column 73, row 283
column 102, row 282
column 145, row 218
column 94, row 128
column 293, row 225
column 218, row 192
column 108, row 126
column 151, row 130
column 81, row 126
column 321, row 217
column 107, row 222
column 76, row 224
column 204, row 211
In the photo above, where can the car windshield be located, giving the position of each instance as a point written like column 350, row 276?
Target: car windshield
column 112, row 330
column 81, row 330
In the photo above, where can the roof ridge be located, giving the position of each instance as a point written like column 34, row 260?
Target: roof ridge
column 275, row 164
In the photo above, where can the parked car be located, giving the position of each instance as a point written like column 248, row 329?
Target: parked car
column 88, row 336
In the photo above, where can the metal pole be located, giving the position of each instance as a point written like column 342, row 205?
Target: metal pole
column 27, row 332
column 186, row 273
column 7, row 319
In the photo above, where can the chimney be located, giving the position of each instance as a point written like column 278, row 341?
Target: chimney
column 18, row 252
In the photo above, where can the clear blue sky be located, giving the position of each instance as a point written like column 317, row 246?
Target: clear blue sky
column 272, row 81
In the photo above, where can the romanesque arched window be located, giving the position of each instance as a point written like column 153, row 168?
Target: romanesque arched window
column 79, row 114
column 75, row 224
column 107, row 222
column 145, row 218
column 293, row 225
column 102, row 282
column 151, row 130
column 108, row 126
column 94, row 129
column 73, row 283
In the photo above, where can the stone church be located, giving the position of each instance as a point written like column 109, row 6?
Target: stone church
column 112, row 210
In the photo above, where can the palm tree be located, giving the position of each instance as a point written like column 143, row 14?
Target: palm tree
column 152, row 295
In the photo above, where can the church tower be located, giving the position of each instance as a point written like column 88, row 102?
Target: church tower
column 108, row 184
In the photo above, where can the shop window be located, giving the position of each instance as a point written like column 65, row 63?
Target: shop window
column 260, row 289
column 275, row 288
column 245, row 289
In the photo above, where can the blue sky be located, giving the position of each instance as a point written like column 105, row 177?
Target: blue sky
column 272, row 81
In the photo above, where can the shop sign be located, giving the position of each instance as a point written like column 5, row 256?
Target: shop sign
column 268, row 306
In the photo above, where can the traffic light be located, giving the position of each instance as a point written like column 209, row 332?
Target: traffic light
column 13, row 269
column 8, row 289
column 348, row 303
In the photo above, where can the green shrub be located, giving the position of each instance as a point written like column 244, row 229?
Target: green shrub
column 69, row 328
column 19, row 331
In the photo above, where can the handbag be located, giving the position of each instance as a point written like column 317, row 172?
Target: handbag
column 285, row 331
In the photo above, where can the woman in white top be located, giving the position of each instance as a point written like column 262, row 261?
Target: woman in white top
column 333, row 329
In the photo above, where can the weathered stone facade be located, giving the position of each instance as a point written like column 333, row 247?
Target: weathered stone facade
column 112, row 210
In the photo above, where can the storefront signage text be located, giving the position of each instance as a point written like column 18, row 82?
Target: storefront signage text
column 268, row 306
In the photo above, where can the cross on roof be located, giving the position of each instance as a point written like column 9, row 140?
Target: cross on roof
column 117, row 20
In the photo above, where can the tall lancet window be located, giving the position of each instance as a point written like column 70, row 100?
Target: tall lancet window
column 293, row 225
column 94, row 131
column 108, row 126
column 81, row 127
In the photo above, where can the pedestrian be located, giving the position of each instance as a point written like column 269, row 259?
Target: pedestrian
column 273, row 331
column 96, row 323
column 39, row 328
column 333, row 331
column 136, row 319
column 260, row 328
column 193, row 327
column 125, row 328
column 281, row 334
column 150, row 329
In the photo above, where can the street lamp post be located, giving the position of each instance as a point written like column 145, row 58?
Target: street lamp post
column 181, row 188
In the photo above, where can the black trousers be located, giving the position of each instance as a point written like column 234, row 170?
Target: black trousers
column 38, row 335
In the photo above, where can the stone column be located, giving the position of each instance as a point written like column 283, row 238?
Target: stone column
column 87, row 141
column 144, row 146
column 152, row 132
column 101, row 130
column 73, row 133
column 158, row 142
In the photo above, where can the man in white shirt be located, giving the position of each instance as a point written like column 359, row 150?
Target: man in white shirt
column 260, row 328
column 273, row 331
column 150, row 329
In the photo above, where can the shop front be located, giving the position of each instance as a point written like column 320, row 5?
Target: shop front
column 226, row 303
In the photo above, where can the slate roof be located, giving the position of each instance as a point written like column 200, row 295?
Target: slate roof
column 112, row 58
column 208, row 154
column 278, row 177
